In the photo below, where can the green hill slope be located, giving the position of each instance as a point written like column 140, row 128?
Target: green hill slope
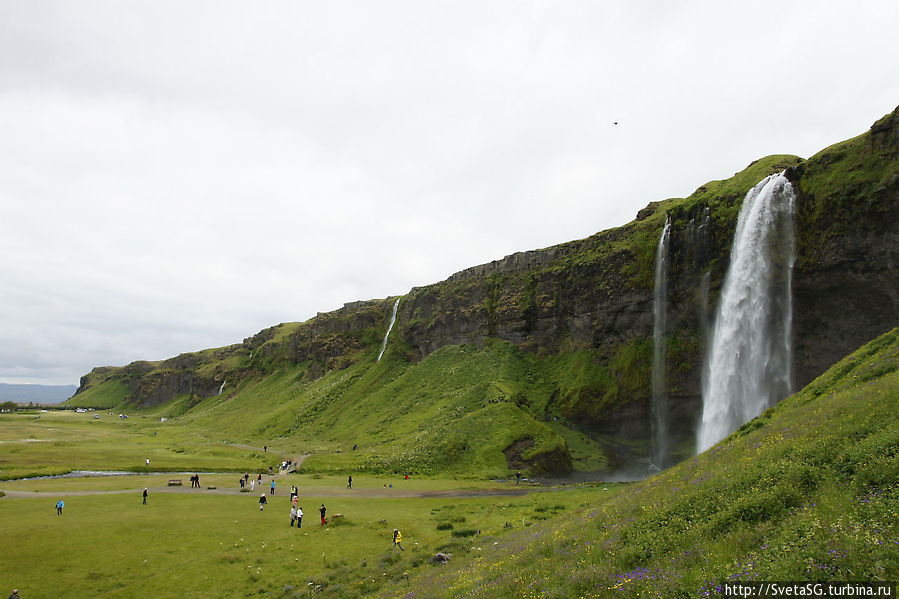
column 541, row 361
column 809, row 491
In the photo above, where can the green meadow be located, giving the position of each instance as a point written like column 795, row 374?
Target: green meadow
column 808, row 491
column 59, row 441
column 216, row 542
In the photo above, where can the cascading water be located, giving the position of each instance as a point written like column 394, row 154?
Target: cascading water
column 659, row 408
column 748, row 362
column 222, row 387
column 396, row 305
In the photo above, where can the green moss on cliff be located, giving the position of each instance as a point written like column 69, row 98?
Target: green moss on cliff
column 592, row 383
column 105, row 394
column 850, row 188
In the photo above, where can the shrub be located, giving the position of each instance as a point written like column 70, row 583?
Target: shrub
column 465, row 532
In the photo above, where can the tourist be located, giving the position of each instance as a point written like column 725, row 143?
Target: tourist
column 241, row 481
column 273, row 486
column 398, row 539
column 59, row 506
column 349, row 482
column 15, row 594
column 145, row 495
column 253, row 485
column 262, row 502
column 293, row 514
column 322, row 511
column 299, row 517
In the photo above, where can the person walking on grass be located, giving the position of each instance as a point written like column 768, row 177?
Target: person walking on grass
column 398, row 539
column 145, row 495
column 15, row 594
column 349, row 482
column 273, row 486
column 299, row 517
column 293, row 514
column 59, row 506
column 262, row 502
column 322, row 511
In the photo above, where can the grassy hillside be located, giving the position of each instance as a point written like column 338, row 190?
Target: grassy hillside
column 540, row 361
column 452, row 413
column 808, row 491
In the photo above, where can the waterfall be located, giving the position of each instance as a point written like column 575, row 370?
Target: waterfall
column 659, row 408
column 222, row 387
column 396, row 305
column 747, row 366
column 704, row 304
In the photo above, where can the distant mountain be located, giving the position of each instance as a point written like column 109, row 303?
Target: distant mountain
column 36, row 393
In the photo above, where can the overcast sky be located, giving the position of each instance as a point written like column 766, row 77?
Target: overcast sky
column 180, row 175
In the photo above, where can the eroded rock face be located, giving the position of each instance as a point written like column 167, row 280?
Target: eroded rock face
column 595, row 295
column 845, row 283
column 158, row 388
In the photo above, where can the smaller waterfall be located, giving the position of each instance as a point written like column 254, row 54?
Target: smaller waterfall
column 749, row 353
column 704, row 320
column 659, row 408
column 396, row 305
column 222, row 387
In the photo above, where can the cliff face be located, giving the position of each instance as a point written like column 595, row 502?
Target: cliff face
column 593, row 299
column 846, row 286
column 596, row 294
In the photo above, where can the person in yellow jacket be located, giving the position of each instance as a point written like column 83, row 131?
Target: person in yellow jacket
column 398, row 539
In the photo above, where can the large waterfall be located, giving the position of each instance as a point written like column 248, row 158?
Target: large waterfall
column 396, row 305
column 749, row 355
column 659, row 443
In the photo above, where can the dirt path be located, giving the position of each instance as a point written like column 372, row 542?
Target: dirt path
column 367, row 493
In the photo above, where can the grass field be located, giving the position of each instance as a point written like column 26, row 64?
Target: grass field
column 808, row 491
column 202, row 542
column 55, row 442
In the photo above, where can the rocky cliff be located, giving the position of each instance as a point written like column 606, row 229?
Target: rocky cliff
column 592, row 299
column 596, row 294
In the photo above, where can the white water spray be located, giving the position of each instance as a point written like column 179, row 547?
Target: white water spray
column 659, row 408
column 748, row 363
column 396, row 305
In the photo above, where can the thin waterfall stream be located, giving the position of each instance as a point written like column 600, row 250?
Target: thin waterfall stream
column 396, row 305
column 659, row 407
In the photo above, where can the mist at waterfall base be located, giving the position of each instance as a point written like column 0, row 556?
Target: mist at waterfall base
column 748, row 362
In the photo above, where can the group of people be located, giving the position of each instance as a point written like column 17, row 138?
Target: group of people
column 296, row 511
